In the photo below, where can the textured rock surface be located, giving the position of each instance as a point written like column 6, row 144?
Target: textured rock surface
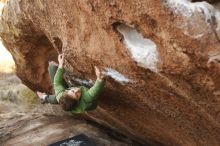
column 174, row 100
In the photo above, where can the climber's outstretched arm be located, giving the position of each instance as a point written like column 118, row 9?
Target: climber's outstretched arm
column 96, row 89
column 58, row 84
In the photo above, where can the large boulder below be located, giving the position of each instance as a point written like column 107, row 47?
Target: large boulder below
column 161, row 56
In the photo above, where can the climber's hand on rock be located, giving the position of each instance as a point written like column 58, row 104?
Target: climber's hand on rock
column 61, row 60
column 100, row 76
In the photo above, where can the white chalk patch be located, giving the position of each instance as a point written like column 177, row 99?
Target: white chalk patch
column 84, row 82
column 217, row 18
column 187, row 8
column 143, row 50
column 116, row 75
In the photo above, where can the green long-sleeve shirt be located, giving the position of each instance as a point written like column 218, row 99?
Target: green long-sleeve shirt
column 88, row 98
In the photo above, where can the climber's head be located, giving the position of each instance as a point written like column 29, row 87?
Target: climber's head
column 70, row 98
column 74, row 93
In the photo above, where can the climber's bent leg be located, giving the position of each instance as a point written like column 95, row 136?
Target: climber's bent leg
column 52, row 68
column 51, row 99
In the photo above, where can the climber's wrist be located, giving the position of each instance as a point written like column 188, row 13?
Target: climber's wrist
column 60, row 66
column 99, row 79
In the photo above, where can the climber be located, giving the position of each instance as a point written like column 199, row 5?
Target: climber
column 74, row 99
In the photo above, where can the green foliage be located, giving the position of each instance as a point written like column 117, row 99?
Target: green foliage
column 19, row 94
column 27, row 96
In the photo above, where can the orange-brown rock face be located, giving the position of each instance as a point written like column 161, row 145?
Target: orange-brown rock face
column 161, row 56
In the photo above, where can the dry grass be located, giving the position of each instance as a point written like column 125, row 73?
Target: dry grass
column 11, row 89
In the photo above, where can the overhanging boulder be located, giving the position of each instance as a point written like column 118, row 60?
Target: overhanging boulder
column 162, row 58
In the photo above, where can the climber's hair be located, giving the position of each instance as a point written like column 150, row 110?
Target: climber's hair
column 66, row 102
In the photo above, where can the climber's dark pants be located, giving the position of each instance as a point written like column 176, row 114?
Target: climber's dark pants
column 52, row 71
